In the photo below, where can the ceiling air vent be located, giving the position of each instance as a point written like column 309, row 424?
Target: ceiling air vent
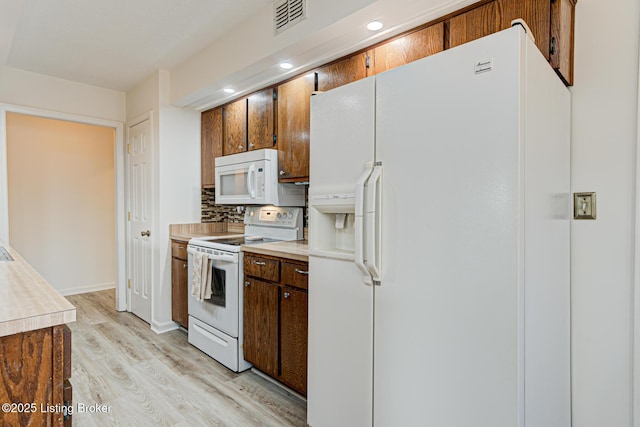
column 287, row 13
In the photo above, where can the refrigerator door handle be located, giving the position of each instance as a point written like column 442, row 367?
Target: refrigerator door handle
column 372, row 225
column 251, row 176
column 359, row 223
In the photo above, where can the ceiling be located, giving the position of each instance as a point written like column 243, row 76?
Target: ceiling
column 113, row 44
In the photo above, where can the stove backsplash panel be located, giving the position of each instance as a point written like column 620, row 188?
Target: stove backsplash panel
column 229, row 213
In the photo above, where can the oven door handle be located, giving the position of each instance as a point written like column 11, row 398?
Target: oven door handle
column 216, row 257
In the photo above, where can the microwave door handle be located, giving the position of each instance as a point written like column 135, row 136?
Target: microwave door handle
column 251, row 177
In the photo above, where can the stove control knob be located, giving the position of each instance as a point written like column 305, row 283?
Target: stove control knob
column 290, row 215
column 279, row 215
column 252, row 213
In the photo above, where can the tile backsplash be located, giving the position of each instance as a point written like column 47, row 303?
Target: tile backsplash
column 229, row 213
column 218, row 213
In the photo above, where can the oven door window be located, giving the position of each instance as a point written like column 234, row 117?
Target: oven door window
column 218, row 287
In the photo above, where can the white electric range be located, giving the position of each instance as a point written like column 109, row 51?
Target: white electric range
column 215, row 324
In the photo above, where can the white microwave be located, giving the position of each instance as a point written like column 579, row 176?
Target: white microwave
column 251, row 178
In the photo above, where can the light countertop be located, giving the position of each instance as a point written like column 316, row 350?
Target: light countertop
column 186, row 236
column 296, row 249
column 27, row 301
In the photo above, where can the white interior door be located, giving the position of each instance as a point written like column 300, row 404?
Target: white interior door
column 140, row 219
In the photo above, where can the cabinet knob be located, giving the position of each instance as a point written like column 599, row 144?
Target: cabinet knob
column 286, row 295
column 246, row 284
column 240, row 147
column 282, row 172
column 251, row 145
column 184, row 265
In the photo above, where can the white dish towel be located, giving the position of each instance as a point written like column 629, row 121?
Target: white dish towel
column 201, row 280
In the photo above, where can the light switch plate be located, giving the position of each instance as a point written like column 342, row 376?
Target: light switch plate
column 584, row 205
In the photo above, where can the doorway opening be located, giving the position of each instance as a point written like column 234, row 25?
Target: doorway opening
column 63, row 223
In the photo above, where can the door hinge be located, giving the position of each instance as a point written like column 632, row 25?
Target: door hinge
column 275, row 95
column 129, row 283
column 552, row 46
column 275, row 138
column 129, row 216
column 368, row 61
column 128, row 148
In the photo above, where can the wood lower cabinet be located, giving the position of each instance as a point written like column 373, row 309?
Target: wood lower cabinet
column 35, row 368
column 261, row 301
column 275, row 318
column 294, row 102
column 210, row 145
column 179, row 283
column 293, row 338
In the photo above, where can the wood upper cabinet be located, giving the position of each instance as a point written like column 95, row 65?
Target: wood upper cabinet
column 294, row 101
column 179, row 284
column 562, row 28
column 476, row 23
column 210, row 145
column 342, row 72
column 261, row 120
column 550, row 21
column 235, row 127
column 260, row 324
column 408, row 48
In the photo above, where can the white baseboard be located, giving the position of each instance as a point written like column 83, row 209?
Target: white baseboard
column 88, row 288
column 161, row 328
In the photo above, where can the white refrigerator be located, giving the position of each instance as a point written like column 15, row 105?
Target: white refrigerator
column 439, row 211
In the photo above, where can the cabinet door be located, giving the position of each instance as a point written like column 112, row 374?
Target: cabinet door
column 342, row 72
column 179, row 292
column 497, row 15
column 476, row 23
column 260, row 125
column 294, row 100
column 235, row 127
column 561, row 50
column 293, row 339
column 210, row 145
column 261, row 325
column 408, row 48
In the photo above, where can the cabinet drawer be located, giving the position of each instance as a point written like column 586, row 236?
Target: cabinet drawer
column 178, row 249
column 264, row 268
column 295, row 275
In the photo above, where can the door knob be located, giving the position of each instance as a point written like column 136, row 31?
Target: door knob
column 282, row 172
column 145, row 233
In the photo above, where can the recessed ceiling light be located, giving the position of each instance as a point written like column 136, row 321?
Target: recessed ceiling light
column 375, row 26
column 286, row 65
column 228, row 90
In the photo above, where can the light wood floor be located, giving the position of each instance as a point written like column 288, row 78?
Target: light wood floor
column 161, row 380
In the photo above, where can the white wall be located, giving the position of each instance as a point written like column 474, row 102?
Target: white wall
column 61, row 191
column 603, row 160
column 247, row 57
column 176, row 192
column 28, row 89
